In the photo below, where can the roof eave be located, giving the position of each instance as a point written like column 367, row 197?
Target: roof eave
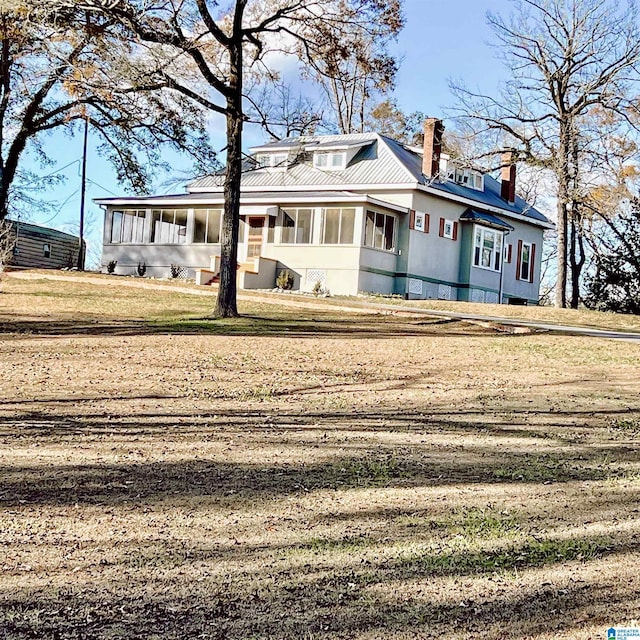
column 329, row 197
column 487, row 207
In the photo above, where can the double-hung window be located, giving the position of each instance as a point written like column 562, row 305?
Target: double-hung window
column 526, row 259
column 296, row 226
column 380, row 231
column 127, row 226
column 487, row 248
column 337, row 226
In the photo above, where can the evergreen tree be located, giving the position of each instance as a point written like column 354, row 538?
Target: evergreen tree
column 614, row 282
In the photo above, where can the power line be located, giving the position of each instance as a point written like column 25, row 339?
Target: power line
column 55, row 215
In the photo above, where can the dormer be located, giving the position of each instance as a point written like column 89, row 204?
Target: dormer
column 330, row 160
column 274, row 160
column 335, row 156
column 274, row 156
column 451, row 171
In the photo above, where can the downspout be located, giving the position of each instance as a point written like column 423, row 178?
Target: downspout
column 504, row 246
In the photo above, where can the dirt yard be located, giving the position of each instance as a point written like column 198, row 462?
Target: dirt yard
column 308, row 474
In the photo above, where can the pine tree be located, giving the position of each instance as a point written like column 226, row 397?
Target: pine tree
column 614, row 283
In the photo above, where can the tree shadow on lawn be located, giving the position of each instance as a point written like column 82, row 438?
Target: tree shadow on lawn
column 41, row 419
column 364, row 597
column 207, row 481
column 321, row 324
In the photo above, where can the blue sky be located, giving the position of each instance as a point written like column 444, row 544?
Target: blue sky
column 441, row 41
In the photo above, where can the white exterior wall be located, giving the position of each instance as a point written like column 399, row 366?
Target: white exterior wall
column 335, row 267
column 423, row 265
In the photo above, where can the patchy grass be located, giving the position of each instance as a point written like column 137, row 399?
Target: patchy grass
column 300, row 473
column 571, row 317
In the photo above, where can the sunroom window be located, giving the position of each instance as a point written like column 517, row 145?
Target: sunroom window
column 169, row 226
column 296, row 226
column 207, row 223
column 380, row 231
column 127, row 226
column 337, row 226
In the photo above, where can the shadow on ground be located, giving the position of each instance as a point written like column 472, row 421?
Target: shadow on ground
column 318, row 324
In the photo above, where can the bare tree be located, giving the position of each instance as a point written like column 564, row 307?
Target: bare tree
column 359, row 66
column 208, row 57
column 388, row 119
column 567, row 58
column 59, row 66
column 281, row 112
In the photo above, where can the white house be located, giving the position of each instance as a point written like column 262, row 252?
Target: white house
column 349, row 213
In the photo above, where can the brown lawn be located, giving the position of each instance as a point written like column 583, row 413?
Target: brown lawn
column 308, row 473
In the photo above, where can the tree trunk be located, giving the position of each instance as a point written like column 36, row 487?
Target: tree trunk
column 561, row 285
column 562, row 173
column 4, row 195
column 226, row 304
column 8, row 171
column 577, row 256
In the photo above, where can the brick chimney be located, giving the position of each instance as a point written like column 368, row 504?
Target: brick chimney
column 508, row 175
column 433, row 130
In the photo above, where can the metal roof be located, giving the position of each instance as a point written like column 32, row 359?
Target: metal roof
column 490, row 196
column 374, row 164
column 487, row 219
column 380, row 163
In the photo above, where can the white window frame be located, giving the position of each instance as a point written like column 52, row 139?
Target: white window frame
column 529, row 276
column 263, row 160
column 372, row 243
column 447, row 229
column 206, row 224
column 418, row 223
column 176, row 237
column 277, row 161
column 340, row 222
column 498, row 243
column 296, row 211
column 465, row 177
column 330, row 160
column 137, row 236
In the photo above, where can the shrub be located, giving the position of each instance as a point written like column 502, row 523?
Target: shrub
column 176, row 271
column 111, row 266
column 142, row 268
column 285, row 280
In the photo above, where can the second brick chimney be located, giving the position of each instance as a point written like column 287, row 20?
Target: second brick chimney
column 433, row 130
column 508, row 175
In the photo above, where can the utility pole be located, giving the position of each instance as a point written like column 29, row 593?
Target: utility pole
column 83, row 188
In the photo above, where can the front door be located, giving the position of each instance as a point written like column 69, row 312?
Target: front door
column 254, row 239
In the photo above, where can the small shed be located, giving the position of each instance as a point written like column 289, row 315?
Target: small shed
column 43, row 248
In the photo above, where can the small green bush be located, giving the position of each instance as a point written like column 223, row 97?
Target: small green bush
column 142, row 268
column 111, row 266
